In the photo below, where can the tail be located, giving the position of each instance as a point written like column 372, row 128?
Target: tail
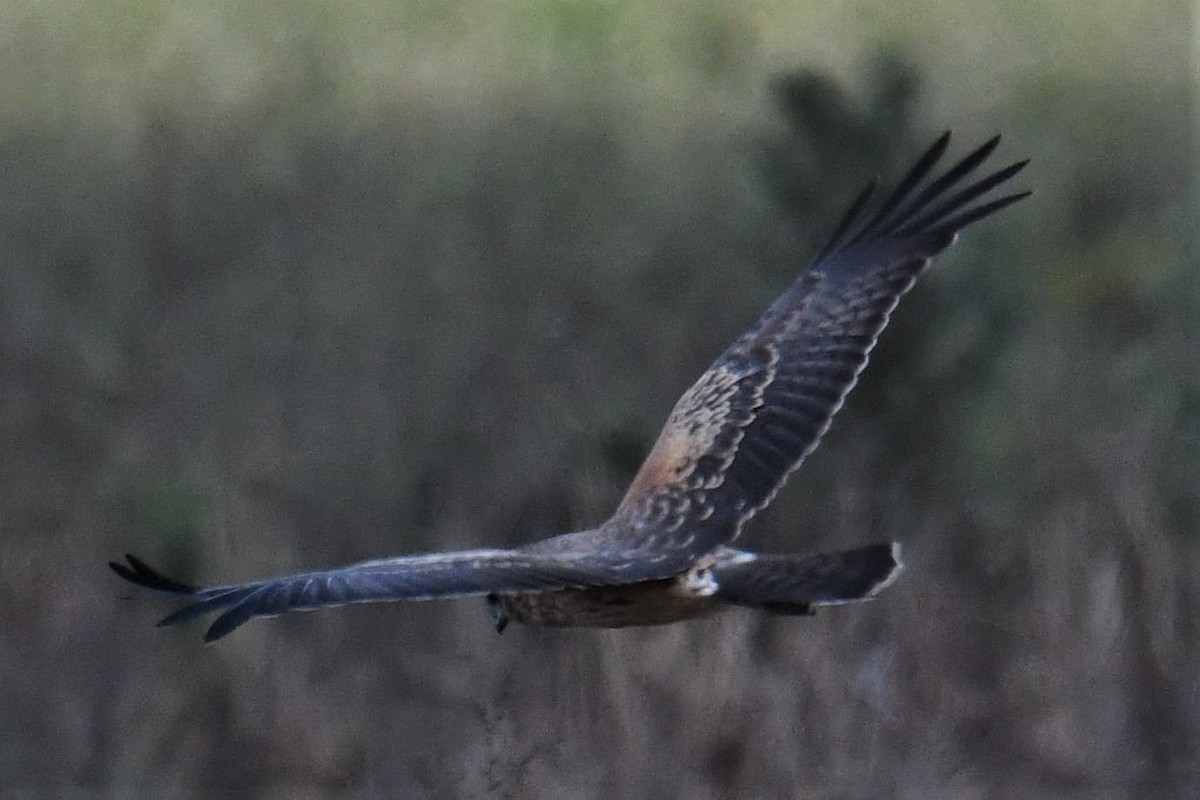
column 788, row 584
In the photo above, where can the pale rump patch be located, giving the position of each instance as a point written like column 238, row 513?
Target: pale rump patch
column 699, row 582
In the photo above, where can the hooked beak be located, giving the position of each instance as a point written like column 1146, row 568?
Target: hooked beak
column 499, row 615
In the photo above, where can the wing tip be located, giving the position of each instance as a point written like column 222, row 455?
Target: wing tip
column 221, row 628
column 918, row 204
column 140, row 573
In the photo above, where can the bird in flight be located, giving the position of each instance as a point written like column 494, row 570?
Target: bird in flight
column 667, row 553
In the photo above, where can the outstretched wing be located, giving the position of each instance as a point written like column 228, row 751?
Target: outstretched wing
column 418, row 577
column 748, row 422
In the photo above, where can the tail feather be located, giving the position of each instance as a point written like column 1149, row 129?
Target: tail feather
column 790, row 584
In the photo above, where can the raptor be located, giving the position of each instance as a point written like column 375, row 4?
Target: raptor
column 668, row 551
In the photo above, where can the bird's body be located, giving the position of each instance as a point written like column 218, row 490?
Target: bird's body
column 725, row 579
column 619, row 606
column 727, row 447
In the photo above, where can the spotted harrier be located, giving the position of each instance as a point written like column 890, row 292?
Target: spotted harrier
column 727, row 447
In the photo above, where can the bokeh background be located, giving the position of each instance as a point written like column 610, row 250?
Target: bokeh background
column 287, row 284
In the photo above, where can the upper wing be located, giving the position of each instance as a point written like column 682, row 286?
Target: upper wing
column 419, row 577
column 748, row 422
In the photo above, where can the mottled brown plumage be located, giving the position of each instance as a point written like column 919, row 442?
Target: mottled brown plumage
column 727, row 447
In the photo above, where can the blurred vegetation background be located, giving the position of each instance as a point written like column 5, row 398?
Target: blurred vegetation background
column 294, row 284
